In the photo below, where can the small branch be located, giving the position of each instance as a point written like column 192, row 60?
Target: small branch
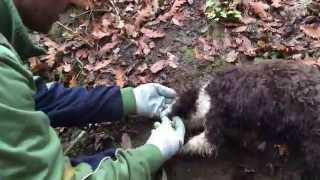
column 90, row 11
column 74, row 33
column 75, row 141
column 115, row 8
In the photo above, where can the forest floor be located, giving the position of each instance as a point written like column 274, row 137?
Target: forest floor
column 172, row 42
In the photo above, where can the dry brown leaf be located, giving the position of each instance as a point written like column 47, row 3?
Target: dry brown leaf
column 197, row 54
column 120, row 77
column 131, row 30
column 37, row 66
column 86, row 4
column 312, row 30
column 205, row 44
column 107, row 48
column 82, row 54
column 126, row 141
column 143, row 48
column 73, row 82
column 172, row 60
column 240, row 29
column 259, row 8
column 53, row 47
column 98, row 33
column 158, row 66
column 276, row 3
column 151, row 33
column 246, row 46
column 143, row 16
column 99, row 65
column 231, row 57
column 142, row 68
column 67, row 68
column 247, row 20
column 173, row 11
column 178, row 19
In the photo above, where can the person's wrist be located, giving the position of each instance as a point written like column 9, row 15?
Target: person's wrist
column 128, row 101
column 152, row 154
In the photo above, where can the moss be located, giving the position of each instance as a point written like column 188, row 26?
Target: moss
column 188, row 55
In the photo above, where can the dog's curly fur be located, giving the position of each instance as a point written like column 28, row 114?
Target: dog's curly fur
column 280, row 101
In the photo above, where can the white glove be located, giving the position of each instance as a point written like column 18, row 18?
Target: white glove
column 152, row 99
column 168, row 136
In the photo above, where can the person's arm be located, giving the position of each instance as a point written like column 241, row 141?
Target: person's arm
column 140, row 163
column 78, row 106
column 30, row 148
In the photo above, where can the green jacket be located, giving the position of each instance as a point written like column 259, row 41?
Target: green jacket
column 29, row 147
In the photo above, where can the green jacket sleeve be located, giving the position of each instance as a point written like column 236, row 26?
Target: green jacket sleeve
column 136, row 164
column 29, row 148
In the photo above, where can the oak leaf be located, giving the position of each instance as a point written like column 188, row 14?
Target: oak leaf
column 312, row 30
column 260, row 9
column 174, row 9
column 151, row 33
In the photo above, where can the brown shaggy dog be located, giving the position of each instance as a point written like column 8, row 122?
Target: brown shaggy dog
column 278, row 102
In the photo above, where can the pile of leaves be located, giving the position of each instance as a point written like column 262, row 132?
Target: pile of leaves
column 111, row 40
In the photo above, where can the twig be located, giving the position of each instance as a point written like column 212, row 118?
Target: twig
column 75, row 141
column 90, row 11
column 75, row 33
column 115, row 8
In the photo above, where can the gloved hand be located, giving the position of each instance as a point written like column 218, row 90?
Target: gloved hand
column 152, row 99
column 168, row 136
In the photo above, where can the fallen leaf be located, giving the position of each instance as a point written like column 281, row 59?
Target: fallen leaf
column 174, row 9
column 98, row 33
column 158, row 66
column 126, row 141
column 120, row 77
column 245, row 46
column 86, row 4
column 82, row 54
column 107, row 48
column 312, row 30
column 178, row 19
column 259, row 8
column 131, row 30
column 101, row 64
column 37, row 66
column 73, row 82
column 142, row 68
column 67, row 68
column 143, row 48
column 240, row 29
column 197, row 54
column 205, row 44
column 151, row 33
column 231, row 57
column 53, row 47
column 143, row 15
column 248, row 20
column 172, row 60
column 315, row 44
column 276, row 3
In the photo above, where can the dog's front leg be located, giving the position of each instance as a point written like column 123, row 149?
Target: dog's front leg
column 199, row 145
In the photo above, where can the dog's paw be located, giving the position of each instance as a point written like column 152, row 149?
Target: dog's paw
column 200, row 146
